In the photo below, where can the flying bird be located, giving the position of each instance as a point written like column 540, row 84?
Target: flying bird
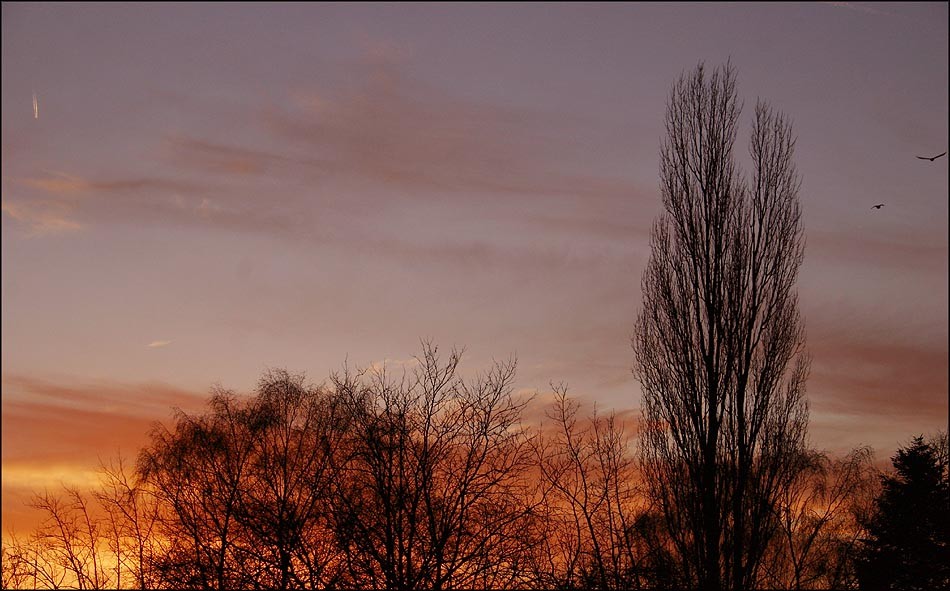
column 878, row 206
column 931, row 158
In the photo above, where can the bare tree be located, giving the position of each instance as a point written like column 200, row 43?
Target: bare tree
column 197, row 472
column 67, row 549
column 820, row 517
column 592, row 501
column 431, row 492
column 102, row 538
column 719, row 342
column 31, row 564
column 133, row 516
column 285, row 506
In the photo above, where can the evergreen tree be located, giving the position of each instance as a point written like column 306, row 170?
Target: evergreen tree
column 907, row 543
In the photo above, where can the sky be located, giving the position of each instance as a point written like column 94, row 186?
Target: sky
column 194, row 193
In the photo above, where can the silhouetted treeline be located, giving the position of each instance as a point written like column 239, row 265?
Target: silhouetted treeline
column 418, row 481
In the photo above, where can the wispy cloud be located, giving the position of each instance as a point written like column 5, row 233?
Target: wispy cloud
column 155, row 344
column 67, row 184
column 53, row 431
column 341, row 161
column 58, row 183
column 74, row 422
column 69, row 202
column 392, row 129
column 134, row 397
column 42, row 217
column 859, row 373
column 389, row 365
column 216, row 157
column 882, row 247
column 859, row 7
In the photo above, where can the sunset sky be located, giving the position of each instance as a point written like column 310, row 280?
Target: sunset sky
column 206, row 191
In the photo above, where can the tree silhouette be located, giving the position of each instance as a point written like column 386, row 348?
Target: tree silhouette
column 245, row 488
column 719, row 341
column 133, row 517
column 198, row 470
column 593, row 510
column 285, row 511
column 909, row 533
column 820, row 517
column 432, row 492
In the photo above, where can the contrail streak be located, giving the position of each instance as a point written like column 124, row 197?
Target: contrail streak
column 36, row 107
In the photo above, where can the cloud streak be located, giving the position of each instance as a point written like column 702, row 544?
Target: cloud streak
column 391, row 129
column 73, row 422
column 921, row 250
column 54, row 431
column 67, row 184
column 861, row 374
column 336, row 166
column 42, row 217
column 858, row 7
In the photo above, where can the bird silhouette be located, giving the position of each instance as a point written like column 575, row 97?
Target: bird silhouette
column 878, row 206
column 931, row 158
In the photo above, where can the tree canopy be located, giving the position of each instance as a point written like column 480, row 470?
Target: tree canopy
column 907, row 543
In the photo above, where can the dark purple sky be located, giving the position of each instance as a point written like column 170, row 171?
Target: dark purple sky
column 209, row 190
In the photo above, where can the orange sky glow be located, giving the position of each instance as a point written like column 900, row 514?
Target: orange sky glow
column 192, row 194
